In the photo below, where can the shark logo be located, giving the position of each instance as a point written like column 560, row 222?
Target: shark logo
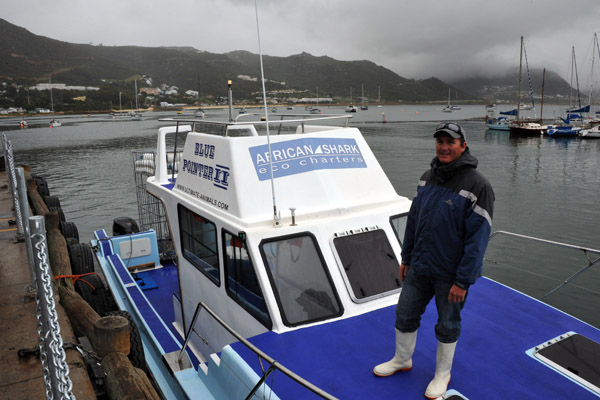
column 298, row 156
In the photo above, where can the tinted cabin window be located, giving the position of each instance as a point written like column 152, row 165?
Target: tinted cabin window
column 301, row 282
column 399, row 224
column 199, row 243
column 369, row 263
column 241, row 282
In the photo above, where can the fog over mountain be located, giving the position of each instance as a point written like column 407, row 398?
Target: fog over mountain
column 414, row 38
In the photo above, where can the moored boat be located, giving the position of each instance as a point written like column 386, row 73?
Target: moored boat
column 593, row 132
column 315, row 288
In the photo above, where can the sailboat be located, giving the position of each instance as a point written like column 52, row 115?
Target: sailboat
column 592, row 130
column 54, row 123
column 315, row 110
column 136, row 115
column 522, row 127
column 363, row 105
column 450, row 107
column 351, row 108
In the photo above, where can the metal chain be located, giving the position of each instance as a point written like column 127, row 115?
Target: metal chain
column 42, row 349
column 55, row 344
column 10, row 162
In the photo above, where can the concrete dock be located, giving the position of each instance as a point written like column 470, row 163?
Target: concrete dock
column 22, row 378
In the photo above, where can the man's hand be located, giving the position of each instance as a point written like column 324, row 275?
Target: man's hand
column 403, row 271
column 456, row 295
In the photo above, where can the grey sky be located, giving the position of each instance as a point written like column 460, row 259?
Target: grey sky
column 414, row 38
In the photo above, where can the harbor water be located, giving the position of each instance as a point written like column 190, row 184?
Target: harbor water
column 545, row 187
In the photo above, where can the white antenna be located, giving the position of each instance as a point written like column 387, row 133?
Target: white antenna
column 276, row 218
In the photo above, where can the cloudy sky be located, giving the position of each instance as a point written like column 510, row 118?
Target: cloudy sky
column 414, row 38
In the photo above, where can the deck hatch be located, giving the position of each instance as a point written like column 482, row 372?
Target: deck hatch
column 369, row 263
column 574, row 355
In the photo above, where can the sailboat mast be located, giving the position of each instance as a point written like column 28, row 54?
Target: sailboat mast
column 51, row 99
column 542, row 102
column 592, row 74
column 136, row 96
column 519, row 92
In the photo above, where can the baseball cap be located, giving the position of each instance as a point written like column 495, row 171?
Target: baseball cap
column 452, row 129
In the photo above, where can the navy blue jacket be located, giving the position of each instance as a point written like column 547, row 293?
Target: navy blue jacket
column 449, row 222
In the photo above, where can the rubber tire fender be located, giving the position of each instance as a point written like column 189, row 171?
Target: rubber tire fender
column 69, row 230
column 95, row 294
column 81, row 257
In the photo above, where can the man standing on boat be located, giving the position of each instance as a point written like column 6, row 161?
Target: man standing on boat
column 446, row 236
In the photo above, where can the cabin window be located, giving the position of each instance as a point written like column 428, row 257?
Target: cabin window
column 199, row 243
column 399, row 225
column 370, row 265
column 241, row 282
column 302, row 284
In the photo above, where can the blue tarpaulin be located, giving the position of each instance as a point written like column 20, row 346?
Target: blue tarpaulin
column 512, row 112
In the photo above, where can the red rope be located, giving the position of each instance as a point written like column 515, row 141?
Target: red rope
column 78, row 277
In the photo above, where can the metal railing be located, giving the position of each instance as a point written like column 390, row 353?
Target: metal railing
column 585, row 250
column 262, row 355
column 32, row 230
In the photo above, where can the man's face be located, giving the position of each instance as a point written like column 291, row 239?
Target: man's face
column 448, row 149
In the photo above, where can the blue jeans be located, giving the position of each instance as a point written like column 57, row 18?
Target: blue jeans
column 417, row 291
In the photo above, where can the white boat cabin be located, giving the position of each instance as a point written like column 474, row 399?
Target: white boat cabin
column 279, row 232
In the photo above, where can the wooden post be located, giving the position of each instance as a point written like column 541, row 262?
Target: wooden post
column 111, row 335
column 35, row 200
column 124, row 381
column 57, row 250
column 81, row 314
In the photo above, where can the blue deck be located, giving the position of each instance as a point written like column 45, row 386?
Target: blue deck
column 499, row 326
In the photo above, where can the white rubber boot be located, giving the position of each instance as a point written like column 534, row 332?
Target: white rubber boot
column 402, row 361
column 443, row 364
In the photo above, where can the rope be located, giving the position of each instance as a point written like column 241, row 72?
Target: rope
column 78, row 277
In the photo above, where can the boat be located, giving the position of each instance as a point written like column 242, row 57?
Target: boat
column 572, row 123
column 55, row 123
column 590, row 133
column 498, row 124
column 522, row 126
column 450, row 107
column 279, row 276
column 363, row 106
column 351, row 108
column 563, row 130
column 136, row 115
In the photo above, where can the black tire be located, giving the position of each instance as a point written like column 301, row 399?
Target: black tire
column 61, row 214
column 92, row 290
column 81, row 257
column 52, row 201
column 69, row 230
column 42, row 186
column 136, row 352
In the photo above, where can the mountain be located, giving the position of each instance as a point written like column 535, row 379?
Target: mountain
column 28, row 59
column 505, row 88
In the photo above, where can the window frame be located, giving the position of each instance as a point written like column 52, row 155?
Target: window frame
column 183, row 211
column 325, row 270
column 235, row 297
column 396, row 233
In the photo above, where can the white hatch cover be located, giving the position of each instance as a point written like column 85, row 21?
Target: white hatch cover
column 135, row 248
